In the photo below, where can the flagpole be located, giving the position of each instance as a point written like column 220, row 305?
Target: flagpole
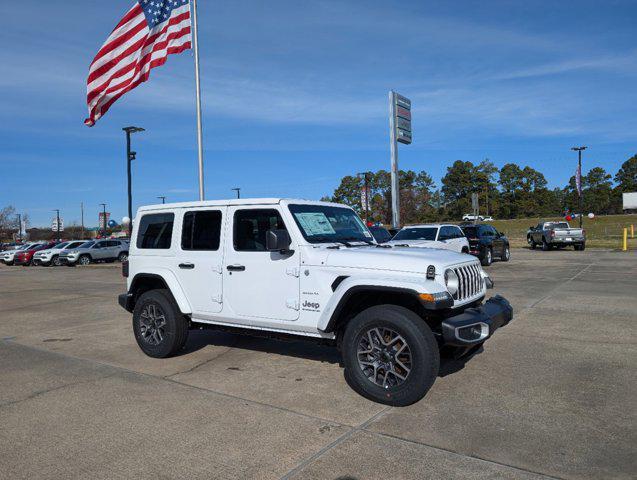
column 195, row 38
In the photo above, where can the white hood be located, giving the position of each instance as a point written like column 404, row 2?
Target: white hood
column 403, row 259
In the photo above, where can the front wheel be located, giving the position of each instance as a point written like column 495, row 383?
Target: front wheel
column 487, row 258
column 390, row 355
column 506, row 254
column 55, row 261
column 159, row 327
column 84, row 260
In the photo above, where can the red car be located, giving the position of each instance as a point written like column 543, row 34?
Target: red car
column 25, row 257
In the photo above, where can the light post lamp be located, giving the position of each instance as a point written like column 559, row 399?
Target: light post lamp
column 162, row 198
column 579, row 151
column 238, row 190
column 130, row 156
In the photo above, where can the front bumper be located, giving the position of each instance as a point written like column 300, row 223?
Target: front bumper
column 67, row 260
column 21, row 261
column 476, row 325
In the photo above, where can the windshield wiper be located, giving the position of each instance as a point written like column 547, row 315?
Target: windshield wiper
column 356, row 239
column 333, row 240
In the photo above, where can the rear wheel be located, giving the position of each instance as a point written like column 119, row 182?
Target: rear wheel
column 159, row 327
column 545, row 246
column 122, row 257
column 390, row 355
column 487, row 258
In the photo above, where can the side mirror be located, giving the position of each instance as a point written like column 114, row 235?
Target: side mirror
column 278, row 241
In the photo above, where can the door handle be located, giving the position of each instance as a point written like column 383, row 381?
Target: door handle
column 187, row 266
column 236, row 268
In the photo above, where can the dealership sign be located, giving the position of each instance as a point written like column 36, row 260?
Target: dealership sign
column 402, row 118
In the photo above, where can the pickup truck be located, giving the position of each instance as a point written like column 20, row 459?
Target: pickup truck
column 556, row 234
column 311, row 270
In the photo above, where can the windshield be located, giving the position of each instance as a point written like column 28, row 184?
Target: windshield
column 417, row 233
column 470, row 231
column 322, row 224
column 380, row 234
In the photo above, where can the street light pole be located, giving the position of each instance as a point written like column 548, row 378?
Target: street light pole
column 162, row 198
column 103, row 219
column 130, row 156
column 238, row 190
column 579, row 172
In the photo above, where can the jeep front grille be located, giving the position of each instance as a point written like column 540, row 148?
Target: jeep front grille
column 470, row 281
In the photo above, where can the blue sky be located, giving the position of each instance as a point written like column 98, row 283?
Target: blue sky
column 295, row 97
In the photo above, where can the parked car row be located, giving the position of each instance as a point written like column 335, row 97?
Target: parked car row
column 482, row 241
column 71, row 253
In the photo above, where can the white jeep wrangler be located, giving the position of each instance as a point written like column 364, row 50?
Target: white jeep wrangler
column 310, row 269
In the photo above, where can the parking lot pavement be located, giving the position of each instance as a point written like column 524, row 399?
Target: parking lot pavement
column 551, row 396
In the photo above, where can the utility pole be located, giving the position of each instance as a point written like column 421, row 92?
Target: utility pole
column 366, row 180
column 238, row 190
column 103, row 219
column 162, row 198
column 130, row 156
column 57, row 223
column 19, row 228
column 82, row 212
column 578, row 179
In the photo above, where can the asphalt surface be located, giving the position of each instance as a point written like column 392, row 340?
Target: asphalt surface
column 551, row 396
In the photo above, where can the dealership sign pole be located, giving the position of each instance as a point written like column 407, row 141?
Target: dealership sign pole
column 399, row 131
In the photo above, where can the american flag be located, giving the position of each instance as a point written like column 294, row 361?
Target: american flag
column 141, row 41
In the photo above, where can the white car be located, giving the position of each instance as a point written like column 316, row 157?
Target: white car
column 309, row 269
column 51, row 256
column 470, row 218
column 448, row 237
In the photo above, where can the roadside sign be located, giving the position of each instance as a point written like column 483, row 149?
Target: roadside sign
column 104, row 222
column 402, row 118
column 55, row 227
column 474, row 201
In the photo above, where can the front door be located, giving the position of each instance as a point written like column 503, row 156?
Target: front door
column 200, row 257
column 258, row 283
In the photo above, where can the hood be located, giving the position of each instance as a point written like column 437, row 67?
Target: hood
column 413, row 243
column 404, row 259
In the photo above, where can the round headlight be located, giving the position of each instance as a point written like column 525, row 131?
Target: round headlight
column 452, row 282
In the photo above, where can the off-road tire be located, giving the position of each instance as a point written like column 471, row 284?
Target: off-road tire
column 506, row 254
column 487, row 258
column 175, row 331
column 425, row 356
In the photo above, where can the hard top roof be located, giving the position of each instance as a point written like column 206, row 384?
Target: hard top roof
column 234, row 202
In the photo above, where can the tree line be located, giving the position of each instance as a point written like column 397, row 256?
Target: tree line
column 508, row 192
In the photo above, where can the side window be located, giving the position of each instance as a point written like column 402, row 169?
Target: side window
column 99, row 245
column 112, row 243
column 155, row 231
column 201, row 230
column 251, row 226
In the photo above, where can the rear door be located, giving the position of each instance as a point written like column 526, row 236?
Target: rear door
column 259, row 284
column 198, row 264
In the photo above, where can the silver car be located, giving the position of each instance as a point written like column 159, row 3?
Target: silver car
column 95, row 251
column 51, row 256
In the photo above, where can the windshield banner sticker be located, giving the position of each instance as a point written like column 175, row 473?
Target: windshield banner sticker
column 315, row 223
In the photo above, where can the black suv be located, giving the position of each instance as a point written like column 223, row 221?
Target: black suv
column 486, row 243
